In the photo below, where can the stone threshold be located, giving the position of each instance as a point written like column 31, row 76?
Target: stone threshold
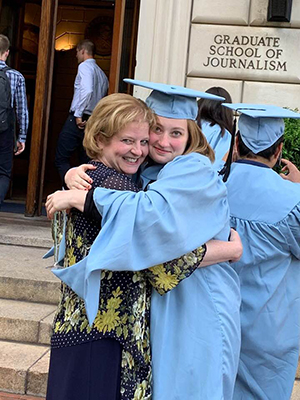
column 12, row 396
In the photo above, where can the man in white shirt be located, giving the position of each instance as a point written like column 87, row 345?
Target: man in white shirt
column 90, row 86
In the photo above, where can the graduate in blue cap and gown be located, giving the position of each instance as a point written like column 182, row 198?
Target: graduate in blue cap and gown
column 195, row 328
column 265, row 210
column 216, row 122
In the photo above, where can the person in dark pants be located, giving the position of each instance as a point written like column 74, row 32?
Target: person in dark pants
column 18, row 107
column 90, row 86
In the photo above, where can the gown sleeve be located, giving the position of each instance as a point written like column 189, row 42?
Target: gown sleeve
column 293, row 235
column 90, row 210
column 162, row 277
column 165, row 277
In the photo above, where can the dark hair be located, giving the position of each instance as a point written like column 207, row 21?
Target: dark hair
column 245, row 152
column 4, row 44
column 213, row 112
column 87, row 45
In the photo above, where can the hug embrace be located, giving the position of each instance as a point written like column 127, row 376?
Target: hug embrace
column 150, row 304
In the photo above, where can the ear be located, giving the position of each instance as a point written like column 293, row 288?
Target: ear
column 278, row 150
column 99, row 143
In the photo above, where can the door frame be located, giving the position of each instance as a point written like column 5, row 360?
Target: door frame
column 41, row 111
column 42, row 101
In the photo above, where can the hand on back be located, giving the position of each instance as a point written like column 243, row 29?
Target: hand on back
column 76, row 178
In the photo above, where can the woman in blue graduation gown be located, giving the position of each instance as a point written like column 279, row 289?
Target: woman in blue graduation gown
column 265, row 210
column 195, row 330
column 216, row 122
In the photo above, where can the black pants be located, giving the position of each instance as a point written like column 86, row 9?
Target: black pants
column 6, row 160
column 70, row 139
column 88, row 371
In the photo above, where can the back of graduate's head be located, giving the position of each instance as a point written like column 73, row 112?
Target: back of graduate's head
column 259, row 137
column 213, row 112
column 245, row 152
column 261, row 129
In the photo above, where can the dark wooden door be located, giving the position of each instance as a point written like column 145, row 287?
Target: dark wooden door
column 124, row 44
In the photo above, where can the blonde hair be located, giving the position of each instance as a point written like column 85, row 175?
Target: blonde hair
column 197, row 141
column 112, row 114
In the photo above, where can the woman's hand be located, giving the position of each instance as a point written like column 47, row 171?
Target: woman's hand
column 218, row 251
column 64, row 200
column 76, row 178
column 237, row 249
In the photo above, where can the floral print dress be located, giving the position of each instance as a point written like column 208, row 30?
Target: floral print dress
column 124, row 305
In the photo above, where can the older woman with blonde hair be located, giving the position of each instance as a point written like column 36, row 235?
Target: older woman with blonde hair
column 112, row 356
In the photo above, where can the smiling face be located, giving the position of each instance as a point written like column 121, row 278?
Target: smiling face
column 168, row 139
column 127, row 149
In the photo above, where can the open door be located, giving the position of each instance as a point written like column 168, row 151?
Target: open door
column 41, row 107
column 124, row 44
column 50, row 67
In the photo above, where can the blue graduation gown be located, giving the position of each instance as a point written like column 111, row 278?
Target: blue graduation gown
column 199, row 361
column 220, row 144
column 196, row 329
column 265, row 210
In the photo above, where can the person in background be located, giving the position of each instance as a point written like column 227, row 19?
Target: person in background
column 18, row 108
column 216, row 122
column 265, row 211
column 91, row 84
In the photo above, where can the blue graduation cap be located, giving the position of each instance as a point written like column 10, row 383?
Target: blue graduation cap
column 171, row 101
column 260, row 125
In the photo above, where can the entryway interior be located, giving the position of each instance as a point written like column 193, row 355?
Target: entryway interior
column 76, row 19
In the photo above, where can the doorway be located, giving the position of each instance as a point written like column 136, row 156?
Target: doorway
column 115, row 54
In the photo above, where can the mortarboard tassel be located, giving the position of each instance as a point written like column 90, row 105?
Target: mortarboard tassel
column 226, row 169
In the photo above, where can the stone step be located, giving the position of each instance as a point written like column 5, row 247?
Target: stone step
column 296, row 391
column 24, row 275
column 15, row 229
column 11, row 396
column 23, row 368
column 26, row 322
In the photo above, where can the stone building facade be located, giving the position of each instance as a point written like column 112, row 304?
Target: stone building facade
column 200, row 43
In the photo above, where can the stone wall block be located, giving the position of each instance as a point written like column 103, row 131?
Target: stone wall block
column 259, row 10
column 244, row 53
column 164, row 28
column 296, row 391
column 234, row 88
column 233, row 12
column 283, row 95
